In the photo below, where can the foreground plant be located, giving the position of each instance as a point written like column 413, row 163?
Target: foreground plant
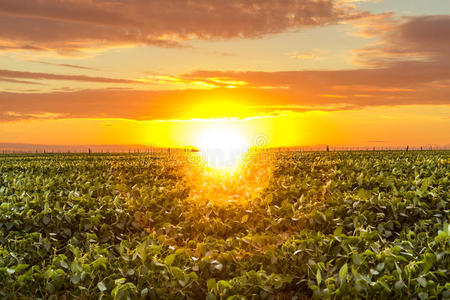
column 295, row 226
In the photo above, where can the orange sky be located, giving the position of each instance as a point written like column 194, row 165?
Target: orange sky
column 303, row 72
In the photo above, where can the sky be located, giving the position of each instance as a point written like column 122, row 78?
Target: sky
column 277, row 72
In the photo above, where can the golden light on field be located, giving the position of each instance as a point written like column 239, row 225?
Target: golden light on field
column 222, row 147
column 222, row 186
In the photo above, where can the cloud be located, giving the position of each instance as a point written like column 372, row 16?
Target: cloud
column 409, row 64
column 18, row 81
column 11, row 47
column 398, row 80
column 65, row 65
column 193, row 81
column 13, row 116
column 399, row 39
column 70, row 27
column 405, row 78
column 104, row 103
column 310, row 54
column 12, row 75
column 413, row 83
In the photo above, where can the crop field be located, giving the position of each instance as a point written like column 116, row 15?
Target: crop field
column 286, row 225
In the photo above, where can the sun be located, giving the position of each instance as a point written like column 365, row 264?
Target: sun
column 222, row 147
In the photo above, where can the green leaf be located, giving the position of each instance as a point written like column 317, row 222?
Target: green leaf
column 211, row 296
column 398, row 284
column 225, row 284
column 380, row 267
column 211, row 285
column 101, row 286
column 75, row 279
column 50, row 287
column 385, row 286
column 169, row 259
column 318, row 277
column 21, row 267
column 64, row 264
column 45, row 220
column 356, row 258
column 338, row 231
column 343, row 271
column 46, row 208
column 100, row 263
column 144, row 292
column 422, row 281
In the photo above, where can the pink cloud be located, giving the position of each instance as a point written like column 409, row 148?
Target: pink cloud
column 72, row 26
column 423, row 38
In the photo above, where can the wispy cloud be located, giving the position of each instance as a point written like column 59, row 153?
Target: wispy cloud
column 65, row 65
column 333, row 96
column 13, row 75
column 13, row 116
column 310, row 54
column 192, row 81
column 11, row 80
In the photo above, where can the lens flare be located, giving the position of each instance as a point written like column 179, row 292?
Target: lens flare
column 222, row 147
column 227, row 187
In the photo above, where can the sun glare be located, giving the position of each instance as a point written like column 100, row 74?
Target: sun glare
column 222, row 147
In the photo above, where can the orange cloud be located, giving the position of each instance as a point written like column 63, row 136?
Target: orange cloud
column 12, row 75
column 72, row 26
column 294, row 91
column 423, row 38
column 392, row 78
column 196, row 82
